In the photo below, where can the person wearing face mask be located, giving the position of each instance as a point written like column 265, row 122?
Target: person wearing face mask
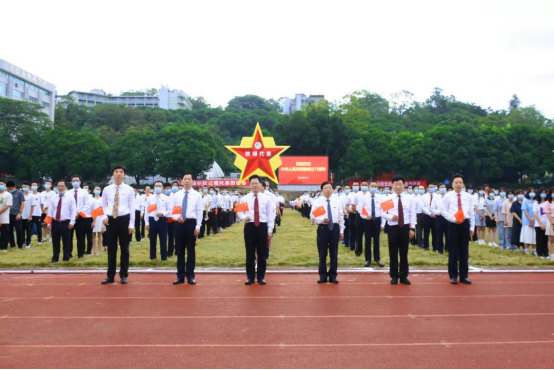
column 145, row 196
column 499, row 218
column 475, row 197
column 62, row 210
column 213, row 214
column 82, row 203
column 344, row 199
column 168, row 191
column 428, row 201
column 352, row 215
column 541, row 220
column 37, row 211
column 419, row 192
column 27, row 214
column 528, row 233
column 5, row 205
column 441, row 222
column 156, row 220
column 517, row 212
column 45, row 197
column 206, row 204
column 88, row 220
column 98, row 227
column 139, row 214
column 360, row 225
column 508, row 220
column 549, row 210
column 490, row 220
column 372, row 221
column 16, row 222
column 480, row 215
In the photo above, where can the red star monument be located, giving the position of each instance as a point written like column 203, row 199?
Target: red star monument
column 258, row 155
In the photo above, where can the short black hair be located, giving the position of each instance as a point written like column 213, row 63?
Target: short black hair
column 372, row 181
column 48, row 181
column 76, row 176
column 167, row 185
column 25, row 183
column 119, row 167
column 502, row 189
column 263, row 183
column 255, row 177
column 161, row 182
column 188, row 173
column 34, row 182
column 65, row 182
column 325, row 183
column 457, row 175
column 134, row 186
column 212, row 188
column 175, row 182
column 441, row 184
column 10, row 184
column 398, row 178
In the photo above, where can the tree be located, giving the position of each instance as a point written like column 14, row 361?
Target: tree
column 514, row 103
column 199, row 102
column 249, row 102
column 136, row 151
column 145, row 92
column 528, row 116
column 375, row 104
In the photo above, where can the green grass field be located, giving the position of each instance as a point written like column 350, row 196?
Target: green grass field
column 294, row 246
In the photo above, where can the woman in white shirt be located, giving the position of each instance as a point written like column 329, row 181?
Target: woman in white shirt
column 98, row 227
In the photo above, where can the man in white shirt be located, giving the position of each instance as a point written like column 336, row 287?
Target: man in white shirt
column 372, row 221
column 187, row 229
column 61, row 210
column 458, row 210
column 88, row 219
column 402, row 222
column 27, row 213
column 45, row 198
column 329, row 231
column 144, row 196
column 156, row 221
column 429, row 224
column 258, row 230
column 343, row 197
column 119, row 207
column 441, row 223
column 82, row 201
column 360, row 225
column 139, row 214
column 5, row 205
column 37, row 211
column 353, row 216
column 206, row 205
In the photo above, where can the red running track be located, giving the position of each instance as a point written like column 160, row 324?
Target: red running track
column 70, row 321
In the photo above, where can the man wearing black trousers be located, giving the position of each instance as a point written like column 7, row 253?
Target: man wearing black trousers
column 352, row 216
column 188, row 223
column 372, row 221
column 429, row 227
column 156, row 221
column 402, row 222
column 458, row 210
column 441, row 223
column 118, row 204
column 62, row 210
column 258, row 230
column 139, row 215
column 329, row 231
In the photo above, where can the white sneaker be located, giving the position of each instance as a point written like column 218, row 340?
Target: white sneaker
column 490, row 244
column 535, row 253
column 50, row 240
column 494, row 245
column 4, row 250
column 526, row 251
column 28, row 246
column 43, row 240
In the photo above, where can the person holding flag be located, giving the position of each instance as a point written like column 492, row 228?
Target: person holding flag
column 327, row 213
column 458, row 208
column 157, row 208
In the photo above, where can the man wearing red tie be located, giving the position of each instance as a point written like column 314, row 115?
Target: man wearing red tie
column 402, row 222
column 61, row 210
column 258, row 230
column 458, row 209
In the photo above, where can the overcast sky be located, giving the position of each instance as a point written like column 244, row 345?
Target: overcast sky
column 478, row 51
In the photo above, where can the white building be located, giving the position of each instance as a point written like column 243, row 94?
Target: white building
column 293, row 105
column 166, row 99
column 18, row 84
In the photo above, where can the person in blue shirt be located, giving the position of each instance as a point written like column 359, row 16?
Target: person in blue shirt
column 498, row 203
column 528, row 235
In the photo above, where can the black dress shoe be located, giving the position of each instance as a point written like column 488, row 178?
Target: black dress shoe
column 261, row 281
column 179, row 281
column 405, row 281
column 367, row 264
column 322, row 281
column 191, row 281
column 54, row 261
column 454, row 281
column 249, row 282
column 465, row 281
column 394, row 281
column 379, row 264
column 107, row 281
column 124, row 280
column 333, row 281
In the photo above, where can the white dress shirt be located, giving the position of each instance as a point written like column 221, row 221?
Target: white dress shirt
column 38, row 202
column 358, row 199
column 163, row 203
column 427, row 202
column 68, row 210
column 408, row 208
column 126, row 201
column 194, row 206
column 336, row 211
column 364, row 201
column 265, row 206
column 450, row 207
column 139, row 201
column 436, row 208
column 83, row 200
column 45, row 197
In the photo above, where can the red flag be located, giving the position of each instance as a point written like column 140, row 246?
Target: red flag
column 82, row 214
column 364, row 212
column 459, row 216
column 151, row 208
column 170, row 220
column 97, row 212
column 243, row 207
column 48, row 220
column 176, row 210
column 320, row 211
column 387, row 206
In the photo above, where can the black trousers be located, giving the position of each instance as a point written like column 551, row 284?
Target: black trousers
column 255, row 240
column 170, row 239
column 4, row 236
column 27, row 228
column 542, row 242
column 328, row 244
column 360, row 230
column 79, row 231
column 118, row 231
column 38, row 225
column 353, row 233
column 142, row 227
column 88, row 233
column 442, row 234
column 16, row 225
column 60, row 230
column 138, row 224
column 213, row 222
column 429, row 226
column 158, row 229
column 203, row 227
column 223, row 219
column 346, row 238
column 186, row 241
column 399, row 238
column 419, row 230
column 459, row 246
column 372, row 229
